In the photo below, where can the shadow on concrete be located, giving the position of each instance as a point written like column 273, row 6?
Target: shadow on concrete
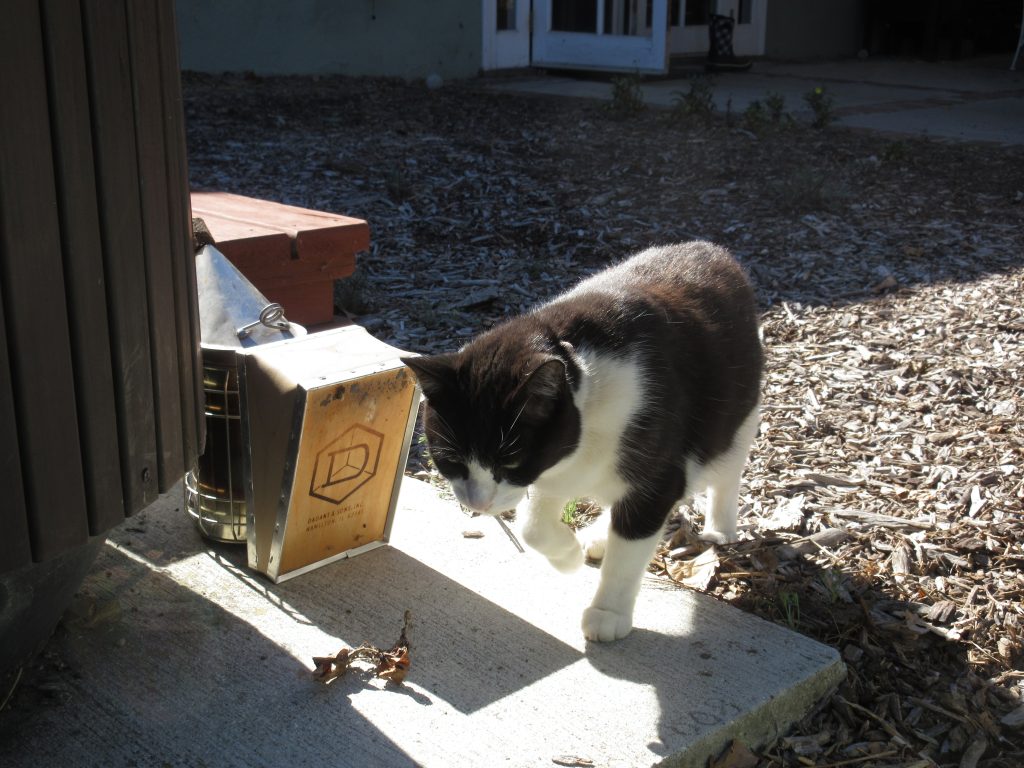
column 173, row 653
column 144, row 671
column 364, row 600
column 466, row 650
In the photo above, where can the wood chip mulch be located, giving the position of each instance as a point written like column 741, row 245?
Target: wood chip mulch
column 883, row 510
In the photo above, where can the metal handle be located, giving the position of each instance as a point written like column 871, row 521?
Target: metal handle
column 271, row 316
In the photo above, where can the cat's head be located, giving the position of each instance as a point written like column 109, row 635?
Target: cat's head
column 497, row 415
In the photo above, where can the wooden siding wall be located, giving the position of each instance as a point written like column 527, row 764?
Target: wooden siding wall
column 100, row 380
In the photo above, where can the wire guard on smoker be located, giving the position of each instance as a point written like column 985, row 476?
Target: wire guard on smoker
column 228, row 302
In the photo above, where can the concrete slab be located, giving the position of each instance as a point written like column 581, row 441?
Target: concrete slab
column 178, row 655
column 998, row 120
column 981, row 75
column 961, row 101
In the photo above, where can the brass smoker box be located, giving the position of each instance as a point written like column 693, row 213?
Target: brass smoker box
column 326, row 421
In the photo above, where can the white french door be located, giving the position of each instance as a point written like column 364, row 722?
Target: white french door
column 622, row 35
column 506, row 34
column 614, row 35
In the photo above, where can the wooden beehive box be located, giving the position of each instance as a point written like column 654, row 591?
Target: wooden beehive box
column 326, row 421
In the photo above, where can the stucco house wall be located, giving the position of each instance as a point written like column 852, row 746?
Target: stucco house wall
column 412, row 39
column 353, row 37
column 813, row 29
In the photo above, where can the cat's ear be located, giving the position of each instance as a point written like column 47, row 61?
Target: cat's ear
column 547, row 379
column 435, row 373
column 543, row 386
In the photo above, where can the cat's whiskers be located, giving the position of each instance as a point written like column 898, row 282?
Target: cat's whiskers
column 445, row 438
column 504, row 445
column 445, row 435
column 444, row 423
column 443, row 447
column 516, row 419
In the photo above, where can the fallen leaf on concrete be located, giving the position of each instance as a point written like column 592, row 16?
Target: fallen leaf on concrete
column 326, row 668
column 573, row 761
column 392, row 665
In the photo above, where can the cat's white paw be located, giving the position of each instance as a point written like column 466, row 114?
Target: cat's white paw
column 719, row 537
column 594, row 543
column 569, row 561
column 604, row 626
column 555, row 541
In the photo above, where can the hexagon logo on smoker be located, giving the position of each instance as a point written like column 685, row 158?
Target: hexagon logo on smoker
column 346, row 464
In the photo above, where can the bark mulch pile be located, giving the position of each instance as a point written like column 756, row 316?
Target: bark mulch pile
column 883, row 508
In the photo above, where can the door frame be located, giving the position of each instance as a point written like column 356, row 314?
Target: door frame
column 645, row 52
column 505, row 48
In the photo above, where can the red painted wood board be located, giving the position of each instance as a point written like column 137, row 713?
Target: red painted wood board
column 292, row 255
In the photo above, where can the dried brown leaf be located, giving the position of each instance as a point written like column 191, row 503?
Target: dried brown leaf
column 697, row 572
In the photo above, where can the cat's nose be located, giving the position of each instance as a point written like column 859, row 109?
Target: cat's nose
column 480, row 503
column 478, row 498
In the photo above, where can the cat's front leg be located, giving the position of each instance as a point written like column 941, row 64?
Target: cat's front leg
column 610, row 616
column 635, row 528
column 544, row 531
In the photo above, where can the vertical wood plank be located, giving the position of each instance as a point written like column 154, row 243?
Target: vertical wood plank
column 117, row 172
column 15, row 545
column 180, row 233
column 83, row 262
column 144, row 49
column 32, row 280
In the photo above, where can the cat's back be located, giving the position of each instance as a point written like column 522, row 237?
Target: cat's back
column 697, row 268
column 683, row 289
column 679, row 324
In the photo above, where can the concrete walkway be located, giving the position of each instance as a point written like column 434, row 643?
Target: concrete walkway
column 973, row 100
column 177, row 655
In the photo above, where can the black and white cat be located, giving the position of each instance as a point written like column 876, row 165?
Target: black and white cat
column 637, row 388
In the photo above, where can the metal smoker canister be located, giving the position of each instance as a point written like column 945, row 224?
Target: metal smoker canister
column 232, row 315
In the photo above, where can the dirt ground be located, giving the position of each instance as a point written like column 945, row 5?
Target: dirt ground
column 883, row 509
